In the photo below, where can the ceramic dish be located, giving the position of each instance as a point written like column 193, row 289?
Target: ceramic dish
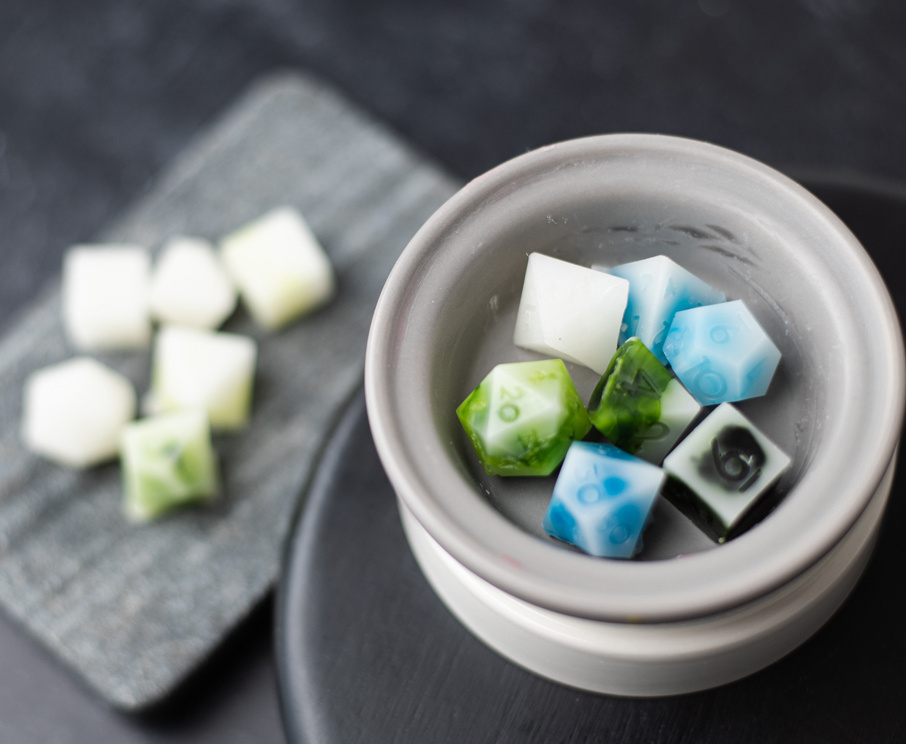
column 446, row 317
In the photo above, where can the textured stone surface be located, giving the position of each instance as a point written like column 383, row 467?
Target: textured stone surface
column 134, row 609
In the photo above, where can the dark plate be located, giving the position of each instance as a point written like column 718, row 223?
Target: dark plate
column 368, row 653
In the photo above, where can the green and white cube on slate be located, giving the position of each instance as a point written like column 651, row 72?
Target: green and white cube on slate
column 523, row 416
column 571, row 312
column 105, row 296
column 214, row 371
column 279, row 266
column 639, row 406
column 168, row 461
column 721, row 469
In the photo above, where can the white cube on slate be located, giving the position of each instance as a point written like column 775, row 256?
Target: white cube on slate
column 75, row 411
column 105, row 296
column 279, row 266
column 571, row 312
column 194, row 368
column 723, row 467
column 189, row 285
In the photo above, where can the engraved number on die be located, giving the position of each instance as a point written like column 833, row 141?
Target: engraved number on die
column 735, row 466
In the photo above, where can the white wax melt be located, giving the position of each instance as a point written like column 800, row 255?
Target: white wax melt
column 279, row 266
column 194, row 368
column 105, row 296
column 74, row 412
column 190, row 286
column 570, row 312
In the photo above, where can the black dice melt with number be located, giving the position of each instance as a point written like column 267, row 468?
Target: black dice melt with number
column 721, row 469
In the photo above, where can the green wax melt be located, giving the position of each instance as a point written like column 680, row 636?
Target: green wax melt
column 523, row 416
column 639, row 406
column 168, row 461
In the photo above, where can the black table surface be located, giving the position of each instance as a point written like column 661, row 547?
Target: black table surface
column 96, row 96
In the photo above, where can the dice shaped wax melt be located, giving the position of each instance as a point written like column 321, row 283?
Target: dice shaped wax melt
column 168, row 461
column 639, row 406
column 602, row 500
column 658, row 289
column 721, row 353
column 721, row 469
column 523, row 416
column 570, row 311
column 105, row 296
column 214, row 371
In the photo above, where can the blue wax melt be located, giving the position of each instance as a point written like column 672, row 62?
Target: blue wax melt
column 658, row 289
column 602, row 500
column 721, row 353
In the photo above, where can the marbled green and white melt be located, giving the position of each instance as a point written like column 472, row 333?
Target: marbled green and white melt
column 523, row 416
column 168, row 461
column 639, row 406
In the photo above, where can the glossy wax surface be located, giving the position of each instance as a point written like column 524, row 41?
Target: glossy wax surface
column 639, row 406
column 522, row 417
column 721, row 353
column 570, row 311
column 658, row 289
column 727, row 464
column 602, row 500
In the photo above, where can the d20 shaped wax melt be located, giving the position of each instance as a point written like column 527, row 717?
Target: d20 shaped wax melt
column 105, row 296
column 203, row 369
column 721, row 353
column 721, row 469
column 602, row 500
column 570, row 311
column 279, row 266
column 189, row 285
column 639, row 406
column 168, row 461
column 74, row 412
column 523, row 416
column 658, row 289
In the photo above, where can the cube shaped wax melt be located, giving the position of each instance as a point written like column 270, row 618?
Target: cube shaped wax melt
column 279, row 266
column 168, row 461
column 602, row 500
column 193, row 368
column 570, row 312
column 721, row 353
column 189, row 285
column 639, row 406
column 75, row 411
column 105, row 296
column 523, row 416
column 721, row 469
column 658, row 289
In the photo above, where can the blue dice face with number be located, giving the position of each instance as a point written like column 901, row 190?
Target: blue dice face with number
column 602, row 500
column 658, row 289
column 725, row 465
column 721, row 353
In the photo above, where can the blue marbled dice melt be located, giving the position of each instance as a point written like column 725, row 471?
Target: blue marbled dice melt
column 720, row 353
column 602, row 500
column 658, row 289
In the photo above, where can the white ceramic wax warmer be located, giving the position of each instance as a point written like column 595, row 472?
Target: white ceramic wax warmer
column 686, row 615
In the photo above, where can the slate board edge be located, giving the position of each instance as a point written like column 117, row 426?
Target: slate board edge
column 188, row 165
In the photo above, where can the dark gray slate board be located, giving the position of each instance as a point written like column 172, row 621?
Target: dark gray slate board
column 134, row 609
